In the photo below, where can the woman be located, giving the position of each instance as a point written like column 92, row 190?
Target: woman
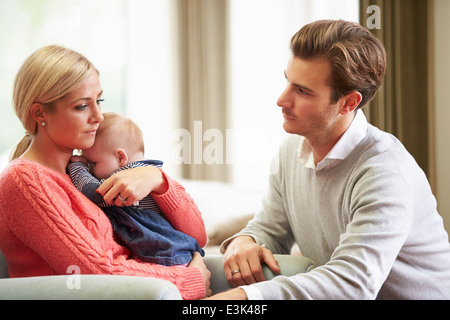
column 46, row 225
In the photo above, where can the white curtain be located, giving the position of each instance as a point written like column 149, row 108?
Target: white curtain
column 202, row 32
column 200, row 77
column 232, row 55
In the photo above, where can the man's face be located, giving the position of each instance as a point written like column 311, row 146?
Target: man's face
column 305, row 103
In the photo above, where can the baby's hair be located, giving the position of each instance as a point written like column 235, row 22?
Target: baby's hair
column 121, row 133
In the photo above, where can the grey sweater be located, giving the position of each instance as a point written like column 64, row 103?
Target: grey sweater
column 370, row 223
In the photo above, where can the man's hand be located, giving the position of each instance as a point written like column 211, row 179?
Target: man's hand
column 243, row 259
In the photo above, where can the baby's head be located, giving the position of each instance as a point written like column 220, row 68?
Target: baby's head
column 118, row 142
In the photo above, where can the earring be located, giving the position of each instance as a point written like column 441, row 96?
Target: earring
column 43, row 123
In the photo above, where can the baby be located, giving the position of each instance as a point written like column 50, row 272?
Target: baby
column 142, row 227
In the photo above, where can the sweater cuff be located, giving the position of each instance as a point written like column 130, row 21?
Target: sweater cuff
column 169, row 200
column 193, row 287
column 252, row 292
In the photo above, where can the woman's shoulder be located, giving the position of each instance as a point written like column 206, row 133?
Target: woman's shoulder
column 15, row 168
column 23, row 172
column 20, row 167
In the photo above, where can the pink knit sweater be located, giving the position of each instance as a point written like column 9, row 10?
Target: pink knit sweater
column 47, row 225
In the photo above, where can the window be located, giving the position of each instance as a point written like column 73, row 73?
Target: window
column 128, row 41
column 95, row 28
column 260, row 31
column 132, row 44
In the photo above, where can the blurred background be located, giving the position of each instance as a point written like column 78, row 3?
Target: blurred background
column 202, row 77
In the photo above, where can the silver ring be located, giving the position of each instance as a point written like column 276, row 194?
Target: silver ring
column 235, row 271
column 122, row 199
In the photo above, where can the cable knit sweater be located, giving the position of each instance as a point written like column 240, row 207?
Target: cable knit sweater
column 47, row 225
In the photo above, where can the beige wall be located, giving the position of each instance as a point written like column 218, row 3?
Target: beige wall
column 442, row 106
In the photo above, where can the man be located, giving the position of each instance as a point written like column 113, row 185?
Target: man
column 350, row 195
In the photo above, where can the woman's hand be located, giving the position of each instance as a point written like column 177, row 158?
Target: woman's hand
column 197, row 262
column 131, row 185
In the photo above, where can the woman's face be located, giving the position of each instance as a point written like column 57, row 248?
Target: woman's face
column 77, row 116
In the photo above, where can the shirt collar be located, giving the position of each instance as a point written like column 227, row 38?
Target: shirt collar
column 349, row 140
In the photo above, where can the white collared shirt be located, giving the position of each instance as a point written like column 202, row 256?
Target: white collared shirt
column 349, row 140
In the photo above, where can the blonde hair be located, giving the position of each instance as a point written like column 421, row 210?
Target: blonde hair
column 45, row 77
column 357, row 58
column 118, row 131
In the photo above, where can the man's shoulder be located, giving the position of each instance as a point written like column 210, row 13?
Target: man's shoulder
column 382, row 154
column 379, row 143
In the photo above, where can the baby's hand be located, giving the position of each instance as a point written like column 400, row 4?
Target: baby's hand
column 78, row 159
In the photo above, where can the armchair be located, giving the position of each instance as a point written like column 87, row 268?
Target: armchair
column 110, row 287
column 70, row 287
